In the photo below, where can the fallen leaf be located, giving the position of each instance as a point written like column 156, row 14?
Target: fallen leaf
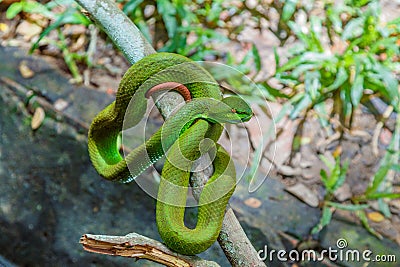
column 375, row 216
column 253, row 202
column 37, row 118
column 337, row 152
column 303, row 193
column 4, row 27
column 25, row 71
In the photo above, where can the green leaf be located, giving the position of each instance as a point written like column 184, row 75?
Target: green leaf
column 272, row 91
column 315, row 30
column 315, row 58
column 364, row 220
column 52, row 4
column 303, row 68
column 131, row 6
column 342, row 176
column 357, row 89
column 334, row 176
column 346, row 99
column 144, row 29
column 396, row 167
column 384, row 208
column 325, row 220
column 349, row 207
column 74, row 17
column 334, row 18
column 322, row 113
column 312, row 84
column 299, row 33
column 276, row 57
column 257, row 59
column 353, row 28
column 36, row 7
column 14, row 9
column 286, row 107
column 341, row 78
column 326, row 161
column 324, row 177
column 304, row 103
column 293, row 62
column 167, row 11
column 288, row 9
column 378, row 178
column 382, row 195
column 391, row 84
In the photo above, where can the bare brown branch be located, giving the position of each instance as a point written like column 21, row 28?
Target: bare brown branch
column 140, row 247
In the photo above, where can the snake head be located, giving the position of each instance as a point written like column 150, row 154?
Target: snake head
column 233, row 109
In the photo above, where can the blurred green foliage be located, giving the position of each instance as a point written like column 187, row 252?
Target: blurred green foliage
column 192, row 28
column 346, row 56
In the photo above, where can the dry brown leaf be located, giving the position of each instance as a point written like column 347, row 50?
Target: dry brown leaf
column 25, row 71
column 375, row 216
column 37, row 118
column 337, row 152
column 253, row 202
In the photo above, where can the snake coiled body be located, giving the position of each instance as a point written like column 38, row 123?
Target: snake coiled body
column 181, row 135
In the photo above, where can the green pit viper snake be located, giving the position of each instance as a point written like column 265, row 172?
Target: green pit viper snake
column 180, row 135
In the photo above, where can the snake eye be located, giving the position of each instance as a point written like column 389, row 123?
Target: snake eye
column 233, row 110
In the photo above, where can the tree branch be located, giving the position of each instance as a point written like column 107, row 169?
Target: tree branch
column 140, row 247
column 121, row 30
column 134, row 46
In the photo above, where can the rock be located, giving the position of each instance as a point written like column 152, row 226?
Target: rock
column 343, row 193
column 304, row 193
column 28, row 30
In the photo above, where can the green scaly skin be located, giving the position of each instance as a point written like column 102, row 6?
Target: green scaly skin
column 181, row 135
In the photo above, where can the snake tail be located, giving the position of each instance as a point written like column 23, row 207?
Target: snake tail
column 173, row 190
